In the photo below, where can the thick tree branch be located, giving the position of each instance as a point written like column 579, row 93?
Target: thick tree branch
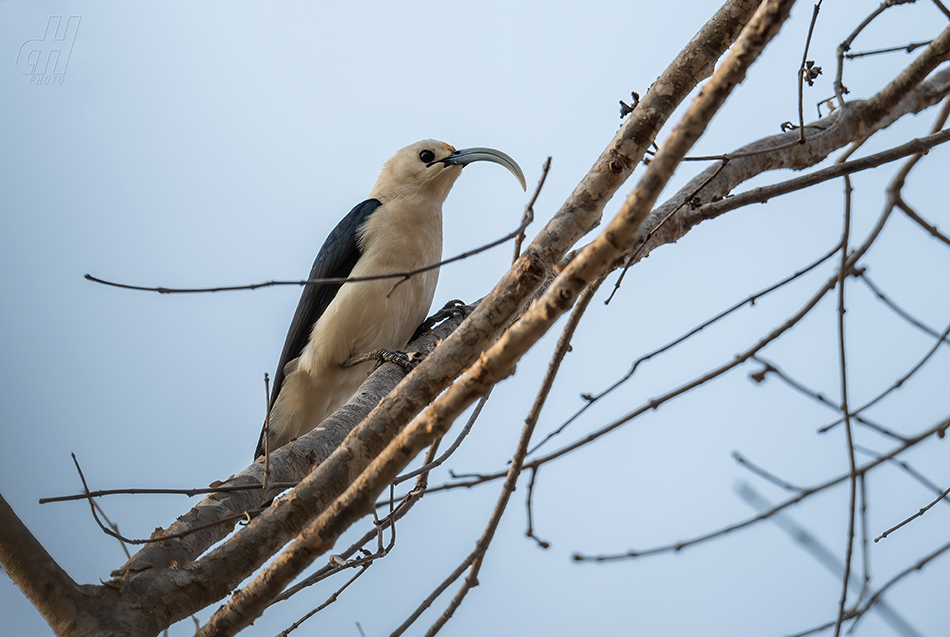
column 580, row 213
column 765, row 193
column 63, row 603
column 341, row 469
column 436, row 372
column 839, row 129
column 330, row 447
column 499, row 360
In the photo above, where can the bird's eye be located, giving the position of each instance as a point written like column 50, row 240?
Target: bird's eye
column 427, row 156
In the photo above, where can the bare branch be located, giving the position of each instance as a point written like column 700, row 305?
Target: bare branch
column 923, row 223
column 837, row 130
column 749, row 300
column 329, row 601
column 937, row 430
column 765, row 193
column 474, row 560
column 519, row 231
column 358, row 498
column 907, row 468
column 772, row 368
column 845, row 46
column 34, row 571
column 913, row 517
column 806, row 73
column 824, row 556
column 429, row 466
column 897, row 309
column 528, row 216
column 355, row 455
column 843, row 272
column 919, row 565
column 762, row 473
column 189, row 492
column 897, row 384
column 907, row 48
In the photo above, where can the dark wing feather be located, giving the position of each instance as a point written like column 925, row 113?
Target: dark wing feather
column 336, row 259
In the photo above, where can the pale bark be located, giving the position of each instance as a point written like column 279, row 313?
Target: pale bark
column 344, row 465
column 499, row 360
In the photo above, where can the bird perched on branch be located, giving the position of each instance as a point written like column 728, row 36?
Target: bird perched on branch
column 398, row 229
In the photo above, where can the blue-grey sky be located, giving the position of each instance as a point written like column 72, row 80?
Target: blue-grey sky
column 218, row 144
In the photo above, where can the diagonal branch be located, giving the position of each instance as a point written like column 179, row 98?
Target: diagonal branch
column 837, row 130
column 939, row 430
column 413, row 393
column 34, row 571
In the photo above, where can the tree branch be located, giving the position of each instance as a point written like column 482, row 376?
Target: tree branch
column 575, row 218
column 65, row 605
column 837, row 130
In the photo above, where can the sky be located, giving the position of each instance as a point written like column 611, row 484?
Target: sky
column 186, row 145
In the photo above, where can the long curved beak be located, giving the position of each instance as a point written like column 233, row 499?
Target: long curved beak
column 465, row 156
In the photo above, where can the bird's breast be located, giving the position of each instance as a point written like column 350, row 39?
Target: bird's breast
column 365, row 316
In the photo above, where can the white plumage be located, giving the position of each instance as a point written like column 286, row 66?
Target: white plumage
column 399, row 228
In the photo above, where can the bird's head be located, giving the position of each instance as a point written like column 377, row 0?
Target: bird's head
column 429, row 168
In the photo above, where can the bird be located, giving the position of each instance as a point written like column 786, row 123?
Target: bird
column 398, row 228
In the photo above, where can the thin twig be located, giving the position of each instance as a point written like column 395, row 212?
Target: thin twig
column 765, row 193
column 189, row 492
column 327, row 281
column 113, row 526
column 913, row 517
column 125, row 540
column 907, row 48
column 474, row 560
column 919, row 565
column 874, row 600
column 802, row 70
column 749, row 300
column 560, row 351
column 266, row 433
column 824, row 556
column 689, row 199
column 405, row 504
column 772, row 368
column 121, row 538
column 528, row 505
column 939, row 430
column 923, row 223
column 897, row 384
column 768, row 367
column 907, row 468
column 865, row 547
column 429, row 465
column 528, row 216
column 329, row 601
column 92, row 507
column 843, row 374
column 762, row 473
column 845, row 46
column 898, row 310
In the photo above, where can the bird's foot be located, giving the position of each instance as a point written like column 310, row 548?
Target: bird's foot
column 407, row 361
column 454, row 308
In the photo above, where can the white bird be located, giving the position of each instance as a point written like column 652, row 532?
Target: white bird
column 399, row 228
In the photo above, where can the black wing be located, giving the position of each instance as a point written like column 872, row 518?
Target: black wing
column 335, row 260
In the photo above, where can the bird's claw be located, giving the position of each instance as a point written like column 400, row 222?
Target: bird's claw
column 454, row 308
column 407, row 361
